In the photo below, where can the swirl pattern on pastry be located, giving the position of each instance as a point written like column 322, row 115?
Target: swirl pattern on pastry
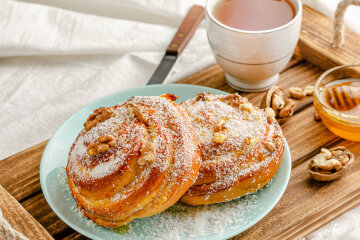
column 135, row 160
column 241, row 147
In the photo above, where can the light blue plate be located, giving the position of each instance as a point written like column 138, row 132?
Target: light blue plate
column 216, row 221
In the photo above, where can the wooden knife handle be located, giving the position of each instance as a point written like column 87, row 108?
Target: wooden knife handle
column 186, row 30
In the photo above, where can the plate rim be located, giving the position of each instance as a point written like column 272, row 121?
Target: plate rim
column 202, row 88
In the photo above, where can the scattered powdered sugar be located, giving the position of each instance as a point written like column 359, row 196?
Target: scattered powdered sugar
column 187, row 222
column 62, row 178
column 182, row 221
column 89, row 222
column 64, row 187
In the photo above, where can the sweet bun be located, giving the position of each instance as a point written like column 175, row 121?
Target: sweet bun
column 133, row 160
column 241, row 147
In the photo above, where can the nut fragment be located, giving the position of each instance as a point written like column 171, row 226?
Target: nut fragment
column 234, row 100
column 278, row 102
column 220, row 126
column 342, row 154
column 220, row 137
column 220, row 131
column 273, row 98
column 146, row 158
column 170, row 96
column 330, row 164
column 270, row 146
column 101, row 145
column 270, row 114
column 139, row 112
column 246, row 107
column 316, row 116
column 276, row 99
column 147, row 154
column 288, row 109
column 296, row 92
column 99, row 115
column 203, row 96
column 249, row 143
column 324, row 161
column 108, row 139
column 282, row 120
column 309, row 90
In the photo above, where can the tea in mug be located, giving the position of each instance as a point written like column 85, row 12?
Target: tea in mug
column 254, row 15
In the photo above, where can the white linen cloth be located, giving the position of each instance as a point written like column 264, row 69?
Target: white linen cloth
column 57, row 56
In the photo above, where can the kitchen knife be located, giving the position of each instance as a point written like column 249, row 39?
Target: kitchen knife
column 178, row 43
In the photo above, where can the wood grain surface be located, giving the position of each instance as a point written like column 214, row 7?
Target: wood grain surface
column 20, row 219
column 306, row 204
column 316, row 40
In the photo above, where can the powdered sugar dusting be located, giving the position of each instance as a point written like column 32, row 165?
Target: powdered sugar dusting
column 130, row 135
column 85, row 167
column 243, row 152
column 185, row 222
column 182, row 221
column 141, row 126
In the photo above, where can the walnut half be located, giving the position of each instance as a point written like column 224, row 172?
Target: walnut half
column 101, row 145
column 296, row 92
column 220, row 132
column 99, row 115
column 147, row 154
column 330, row 164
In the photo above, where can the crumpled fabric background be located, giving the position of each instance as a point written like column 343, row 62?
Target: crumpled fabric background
column 57, row 56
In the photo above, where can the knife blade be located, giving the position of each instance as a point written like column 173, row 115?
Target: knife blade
column 182, row 37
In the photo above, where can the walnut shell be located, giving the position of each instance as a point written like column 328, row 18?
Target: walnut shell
column 282, row 120
column 276, row 96
column 266, row 101
column 324, row 176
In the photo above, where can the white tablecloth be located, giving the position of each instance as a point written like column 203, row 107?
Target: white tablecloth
column 58, row 55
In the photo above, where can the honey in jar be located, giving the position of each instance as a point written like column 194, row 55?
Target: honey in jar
column 338, row 104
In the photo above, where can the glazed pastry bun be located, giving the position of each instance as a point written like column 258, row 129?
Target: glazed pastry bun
column 133, row 160
column 241, row 147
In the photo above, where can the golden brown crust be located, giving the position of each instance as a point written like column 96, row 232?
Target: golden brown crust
column 241, row 148
column 151, row 159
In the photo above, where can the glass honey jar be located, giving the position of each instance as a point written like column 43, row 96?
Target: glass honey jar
column 337, row 101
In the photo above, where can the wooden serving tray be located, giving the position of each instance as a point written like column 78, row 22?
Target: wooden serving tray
column 20, row 220
column 306, row 204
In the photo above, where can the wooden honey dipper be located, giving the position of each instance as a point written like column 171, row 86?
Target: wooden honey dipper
column 343, row 97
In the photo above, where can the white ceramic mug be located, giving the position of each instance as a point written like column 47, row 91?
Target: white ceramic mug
column 252, row 60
